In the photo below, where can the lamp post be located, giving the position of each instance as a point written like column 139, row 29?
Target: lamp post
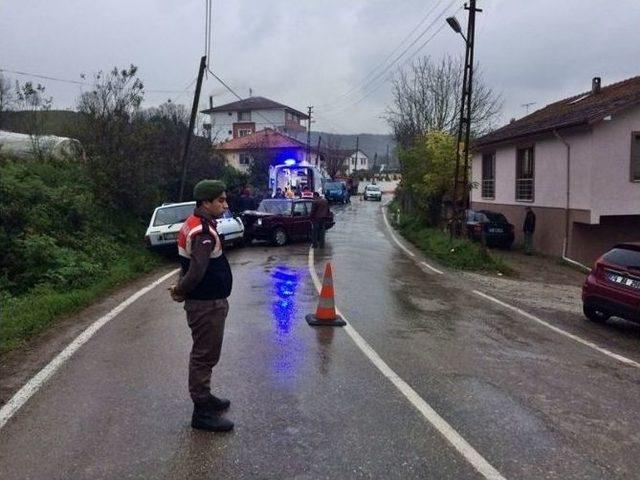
column 464, row 127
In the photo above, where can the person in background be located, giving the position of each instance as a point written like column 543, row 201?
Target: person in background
column 319, row 214
column 279, row 193
column 306, row 192
column 529, row 227
column 288, row 193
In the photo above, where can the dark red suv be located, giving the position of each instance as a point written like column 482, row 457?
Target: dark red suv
column 613, row 286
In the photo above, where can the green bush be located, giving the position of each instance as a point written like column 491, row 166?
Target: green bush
column 459, row 253
column 61, row 249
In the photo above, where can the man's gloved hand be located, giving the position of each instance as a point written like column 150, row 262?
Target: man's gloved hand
column 176, row 295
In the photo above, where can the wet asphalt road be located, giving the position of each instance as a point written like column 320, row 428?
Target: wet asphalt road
column 308, row 404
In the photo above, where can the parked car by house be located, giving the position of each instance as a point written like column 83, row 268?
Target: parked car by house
column 612, row 288
column 336, row 192
column 167, row 219
column 372, row 192
column 497, row 230
column 280, row 221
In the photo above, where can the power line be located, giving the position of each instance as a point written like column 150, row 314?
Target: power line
column 397, row 58
column 238, row 96
column 388, row 56
column 377, row 87
column 75, row 82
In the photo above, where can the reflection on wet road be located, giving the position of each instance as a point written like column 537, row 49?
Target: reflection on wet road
column 308, row 404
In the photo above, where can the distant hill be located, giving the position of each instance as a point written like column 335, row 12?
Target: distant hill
column 369, row 143
column 65, row 122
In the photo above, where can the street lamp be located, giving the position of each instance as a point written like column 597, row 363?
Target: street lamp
column 455, row 26
column 464, row 128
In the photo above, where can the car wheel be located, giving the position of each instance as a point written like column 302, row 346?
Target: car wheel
column 594, row 314
column 279, row 237
column 239, row 243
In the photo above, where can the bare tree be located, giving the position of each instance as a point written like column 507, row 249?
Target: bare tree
column 6, row 98
column 333, row 156
column 426, row 97
column 33, row 103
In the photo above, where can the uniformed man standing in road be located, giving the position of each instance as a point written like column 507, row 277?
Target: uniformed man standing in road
column 204, row 285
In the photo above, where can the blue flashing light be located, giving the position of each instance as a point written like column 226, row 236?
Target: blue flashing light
column 289, row 162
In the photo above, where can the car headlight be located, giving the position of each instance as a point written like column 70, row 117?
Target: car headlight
column 259, row 222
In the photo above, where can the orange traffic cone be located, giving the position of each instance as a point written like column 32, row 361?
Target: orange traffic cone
column 326, row 312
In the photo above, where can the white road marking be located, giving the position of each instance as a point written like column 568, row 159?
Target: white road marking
column 432, row 268
column 576, row 338
column 447, row 431
column 33, row 385
column 407, row 251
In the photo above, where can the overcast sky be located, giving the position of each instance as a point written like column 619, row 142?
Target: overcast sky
column 319, row 52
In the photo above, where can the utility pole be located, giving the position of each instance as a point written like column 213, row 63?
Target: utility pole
column 318, row 152
column 310, row 110
column 464, row 128
column 192, row 121
column 357, row 148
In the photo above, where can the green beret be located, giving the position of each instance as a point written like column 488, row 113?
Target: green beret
column 208, row 190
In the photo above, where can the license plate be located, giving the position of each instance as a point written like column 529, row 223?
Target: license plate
column 170, row 236
column 495, row 230
column 622, row 280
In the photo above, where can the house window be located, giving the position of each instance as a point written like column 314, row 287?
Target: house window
column 524, row 175
column 243, row 132
column 635, row 157
column 245, row 159
column 489, row 175
column 244, row 116
column 362, row 161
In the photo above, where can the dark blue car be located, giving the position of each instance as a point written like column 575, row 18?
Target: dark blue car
column 336, row 192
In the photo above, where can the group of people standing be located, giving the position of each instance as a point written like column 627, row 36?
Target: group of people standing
column 293, row 192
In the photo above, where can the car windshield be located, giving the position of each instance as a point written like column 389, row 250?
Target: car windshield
column 277, row 207
column 373, row 188
column 624, row 257
column 333, row 186
column 171, row 215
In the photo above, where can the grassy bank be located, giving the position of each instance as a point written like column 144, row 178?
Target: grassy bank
column 62, row 247
column 458, row 253
column 26, row 315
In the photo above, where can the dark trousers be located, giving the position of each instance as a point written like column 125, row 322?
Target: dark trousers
column 528, row 242
column 317, row 235
column 206, row 320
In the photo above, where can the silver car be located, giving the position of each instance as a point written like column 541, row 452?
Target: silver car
column 372, row 192
column 166, row 221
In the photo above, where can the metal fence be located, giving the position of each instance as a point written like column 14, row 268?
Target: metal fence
column 524, row 189
column 488, row 188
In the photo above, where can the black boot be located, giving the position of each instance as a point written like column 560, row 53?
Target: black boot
column 218, row 404
column 205, row 419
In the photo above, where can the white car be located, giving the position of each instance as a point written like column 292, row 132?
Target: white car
column 372, row 192
column 167, row 220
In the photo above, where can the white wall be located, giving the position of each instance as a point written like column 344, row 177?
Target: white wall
column 613, row 191
column 360, row 166
column 550, row 173
column 223, row 122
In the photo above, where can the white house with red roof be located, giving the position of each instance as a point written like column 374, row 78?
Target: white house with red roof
column 251, row 115
column 271, row 144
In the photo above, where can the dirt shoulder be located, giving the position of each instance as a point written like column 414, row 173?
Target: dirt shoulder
column 19, row 365
column 539, row 282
